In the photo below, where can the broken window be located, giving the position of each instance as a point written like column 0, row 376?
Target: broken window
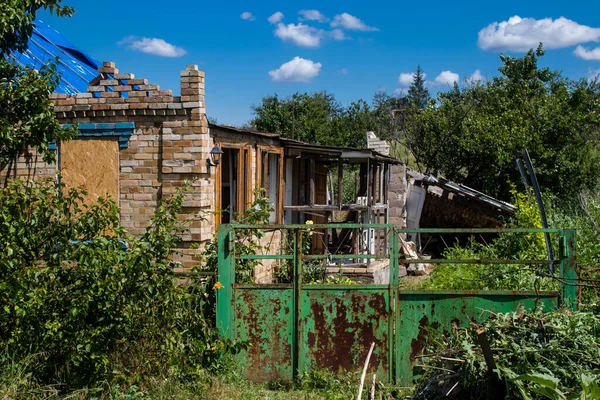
column 269, row 169
column 233, row 190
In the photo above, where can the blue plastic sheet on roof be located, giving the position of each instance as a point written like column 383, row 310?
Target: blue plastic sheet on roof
column 75, row 67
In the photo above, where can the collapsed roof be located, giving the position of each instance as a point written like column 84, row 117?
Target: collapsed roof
column 75, row 67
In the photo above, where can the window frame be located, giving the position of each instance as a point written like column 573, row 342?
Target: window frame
column 262, row 150
column 244, row 187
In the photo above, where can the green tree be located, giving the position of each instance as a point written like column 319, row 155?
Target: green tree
column 316, row 118
column 26, row 116
column 418, row 94
column 475, row 134
column 302, row 116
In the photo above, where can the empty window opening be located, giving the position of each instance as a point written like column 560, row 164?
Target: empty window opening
column 269, row 181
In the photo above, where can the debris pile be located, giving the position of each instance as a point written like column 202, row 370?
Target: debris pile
column 528, row 355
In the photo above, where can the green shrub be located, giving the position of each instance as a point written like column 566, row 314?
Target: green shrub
column 537, row 355
column 512, row 246
column 71, row 294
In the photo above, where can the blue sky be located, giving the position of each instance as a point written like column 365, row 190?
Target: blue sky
column 349, row 48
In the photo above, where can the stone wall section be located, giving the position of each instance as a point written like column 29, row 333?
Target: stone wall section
column 379, row 145
column 397, row 196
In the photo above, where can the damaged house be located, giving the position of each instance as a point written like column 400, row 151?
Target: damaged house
column 139, row 143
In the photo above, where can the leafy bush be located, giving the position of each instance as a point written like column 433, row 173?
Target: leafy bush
column 584, row 217
column 247, row 241
column 514, row 246
column 537, row 355
column 73, row 295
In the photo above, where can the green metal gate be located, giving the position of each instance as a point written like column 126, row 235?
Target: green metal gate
column 294, row 327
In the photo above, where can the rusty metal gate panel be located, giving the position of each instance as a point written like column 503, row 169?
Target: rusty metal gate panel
column 264, row 317
column 421, row 312
column 337, row 326
column 293, row 328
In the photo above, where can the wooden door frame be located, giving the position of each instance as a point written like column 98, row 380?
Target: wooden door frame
column 260, row 149
column 244, row 189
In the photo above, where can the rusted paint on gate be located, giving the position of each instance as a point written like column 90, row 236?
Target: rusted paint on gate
column 292, row 328
column 264, row 318
column 338, row 326
column 421, row 313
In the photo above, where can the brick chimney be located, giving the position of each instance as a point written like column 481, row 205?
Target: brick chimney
column 192, row 92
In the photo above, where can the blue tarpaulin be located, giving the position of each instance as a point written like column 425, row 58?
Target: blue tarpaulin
column 75, row 67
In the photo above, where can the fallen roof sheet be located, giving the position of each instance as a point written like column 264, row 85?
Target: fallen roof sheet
column 466, row 191
column 75, row 67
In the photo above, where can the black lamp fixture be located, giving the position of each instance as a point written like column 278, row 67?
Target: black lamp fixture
column 215, row 157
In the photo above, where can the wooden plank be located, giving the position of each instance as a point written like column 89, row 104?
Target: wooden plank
column 281, row 197
column 376, row 182
column 340, row 194
column 311, row 185
column 324, row 207
column 370, row 177
column 356, row 186
column 218, row 194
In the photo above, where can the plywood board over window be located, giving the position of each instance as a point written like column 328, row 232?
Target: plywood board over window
column 93, row 164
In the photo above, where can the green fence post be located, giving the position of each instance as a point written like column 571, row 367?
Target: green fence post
column 393, row 293
column 297, row 302
column 568, row 272
column 226, row 279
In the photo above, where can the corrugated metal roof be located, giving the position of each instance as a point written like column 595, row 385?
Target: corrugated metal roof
column 75, row 67
column 430, row 180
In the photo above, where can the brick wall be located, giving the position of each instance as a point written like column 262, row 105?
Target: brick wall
column 29, row 165
column 170, row 145
column 168, row 148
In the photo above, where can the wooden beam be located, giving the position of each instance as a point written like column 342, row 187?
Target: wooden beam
column 324, row 207
column 376, row 183
column 218, row 194
column 356, row 186
column 370, row 178
column 340, row 194
column 281, row 196
column 311, row 189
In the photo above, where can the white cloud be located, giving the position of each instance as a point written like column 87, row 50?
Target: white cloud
column 406, row 78
column 275, row 18
column 313, row 15
column 342, row 71
column 476, row 77
column 350, row 22
column 300, row 35
column 296, row 70
column 247, row 16
column 399, row 92
column 338, row 34
column 592, row 54
column 446, row 78
column 594, row 74
column 154, row 46
column 522, row 34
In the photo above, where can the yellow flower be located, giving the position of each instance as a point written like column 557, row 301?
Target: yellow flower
column 218, row 286
column 309, row 222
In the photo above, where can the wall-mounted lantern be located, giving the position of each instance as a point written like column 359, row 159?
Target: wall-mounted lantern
column 215, row 157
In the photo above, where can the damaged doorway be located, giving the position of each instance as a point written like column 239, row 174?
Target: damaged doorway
column 232, row 181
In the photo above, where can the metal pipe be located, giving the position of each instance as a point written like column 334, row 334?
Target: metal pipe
column 540, row 203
